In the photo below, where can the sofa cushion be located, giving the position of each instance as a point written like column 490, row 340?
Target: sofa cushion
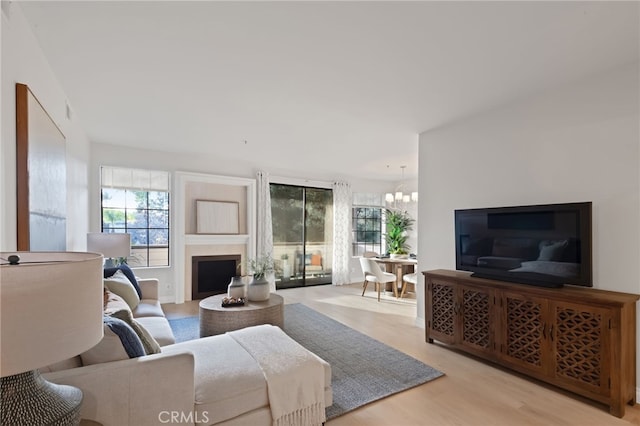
column 119, row 284
column 149, row 344
column 73, row 362
column 124, row 268
column 148, row 308
column 119, row 342
column 228, row 381
column 159, row 328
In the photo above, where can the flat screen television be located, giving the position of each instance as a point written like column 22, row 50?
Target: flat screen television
column 545, row 245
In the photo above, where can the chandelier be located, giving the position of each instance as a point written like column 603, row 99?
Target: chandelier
column 399, row 196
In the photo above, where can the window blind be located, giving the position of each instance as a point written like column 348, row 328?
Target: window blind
column 134, row 179
column 368, row 199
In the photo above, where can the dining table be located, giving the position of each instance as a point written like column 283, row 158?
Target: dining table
column 399, row 267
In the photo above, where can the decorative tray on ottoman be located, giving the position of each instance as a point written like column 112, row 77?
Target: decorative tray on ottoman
column 228, row 302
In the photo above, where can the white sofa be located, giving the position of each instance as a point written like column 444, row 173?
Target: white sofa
column 207, row 381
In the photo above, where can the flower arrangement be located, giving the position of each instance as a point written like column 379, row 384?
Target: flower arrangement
column 260, row 266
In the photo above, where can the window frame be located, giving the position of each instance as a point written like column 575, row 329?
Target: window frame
column 131, row 188
column 367, row 246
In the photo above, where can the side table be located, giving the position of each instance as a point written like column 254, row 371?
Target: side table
column 214, row 319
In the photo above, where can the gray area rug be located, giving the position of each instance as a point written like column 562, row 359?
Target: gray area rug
column 363, row 369
column 185, row 328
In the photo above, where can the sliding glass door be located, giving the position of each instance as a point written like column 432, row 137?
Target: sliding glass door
column 302, row 235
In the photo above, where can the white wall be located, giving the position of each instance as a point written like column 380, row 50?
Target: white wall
column 574, row 143
column 24, row 62
column 112, row 155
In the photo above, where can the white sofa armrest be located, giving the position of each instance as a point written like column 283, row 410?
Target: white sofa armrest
column 136, row 392
column 149, row 288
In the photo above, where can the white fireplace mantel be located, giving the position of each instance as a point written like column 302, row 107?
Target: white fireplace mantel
column 184, row 240
column 204, row 239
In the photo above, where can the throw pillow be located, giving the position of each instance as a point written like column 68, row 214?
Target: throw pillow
column 114, row 303
column 119, row 342
column 124, row 268
column 552, row 250
column 316, row 260
column 148, row 342
column 119, row 284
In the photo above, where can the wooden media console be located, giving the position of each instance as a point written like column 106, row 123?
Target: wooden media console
column 577, row 338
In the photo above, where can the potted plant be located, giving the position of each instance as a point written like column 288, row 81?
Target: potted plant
column 398, row 223
column 258, row 289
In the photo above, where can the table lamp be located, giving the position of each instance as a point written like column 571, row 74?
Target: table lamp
column 50, row 310
column 110, row 245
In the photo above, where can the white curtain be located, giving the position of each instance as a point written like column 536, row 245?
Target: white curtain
column 265, row 229
column 341, row 232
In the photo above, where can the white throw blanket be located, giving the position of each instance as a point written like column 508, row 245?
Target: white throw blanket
column 295, row 377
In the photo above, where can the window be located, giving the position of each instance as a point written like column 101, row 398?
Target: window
column 137, row 202
column 366, row 224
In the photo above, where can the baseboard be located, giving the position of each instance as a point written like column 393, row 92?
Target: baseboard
column 637, row 395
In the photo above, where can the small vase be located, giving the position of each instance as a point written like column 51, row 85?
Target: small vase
column 258, row 290
column 236, row 288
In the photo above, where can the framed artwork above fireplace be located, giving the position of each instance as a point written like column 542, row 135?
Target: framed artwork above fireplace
column 217, row 217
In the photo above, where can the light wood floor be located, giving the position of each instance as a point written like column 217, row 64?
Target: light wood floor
column 472, row 392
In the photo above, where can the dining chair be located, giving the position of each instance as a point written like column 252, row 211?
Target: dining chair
column 373, row 273
column 408, row 278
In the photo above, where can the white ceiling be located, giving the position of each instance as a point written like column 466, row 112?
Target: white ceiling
column 340, row 88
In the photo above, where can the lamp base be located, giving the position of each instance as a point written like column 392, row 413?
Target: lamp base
column 28, row 399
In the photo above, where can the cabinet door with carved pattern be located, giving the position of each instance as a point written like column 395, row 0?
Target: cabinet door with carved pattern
column 523, row 342
column 477, row 319
column 441, row 306
column 580, row 342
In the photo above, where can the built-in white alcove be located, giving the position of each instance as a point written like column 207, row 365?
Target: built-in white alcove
column 190, row 187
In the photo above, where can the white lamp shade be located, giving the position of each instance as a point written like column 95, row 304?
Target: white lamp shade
column 110, row 245
column 398, row 196
column 414, row 196
column 405, row 198
column 50, row 308
column 388, row 197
